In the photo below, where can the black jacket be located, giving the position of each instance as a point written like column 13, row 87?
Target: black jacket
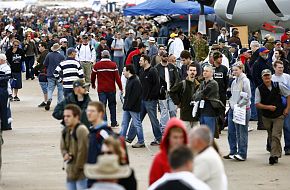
column 221, row 76
column 183, row 96
column 150, row 83
column 15, row 59
column 258, row 67
column 133, row 95
column 72, row 99
column 173, row 76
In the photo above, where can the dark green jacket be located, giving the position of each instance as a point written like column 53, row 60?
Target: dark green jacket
column 182, row 97
column 72, row 99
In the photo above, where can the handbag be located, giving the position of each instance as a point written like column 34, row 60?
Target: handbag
column 218, row 106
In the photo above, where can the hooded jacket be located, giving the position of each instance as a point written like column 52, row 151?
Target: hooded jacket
column 160, row 163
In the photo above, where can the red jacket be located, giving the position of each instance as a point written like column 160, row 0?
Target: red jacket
column 131, row 55
column 284, row 37
column 160, row 164
column 107, row 74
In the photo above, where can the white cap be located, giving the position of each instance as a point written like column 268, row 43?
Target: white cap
column 3, row 56
column 151, row 39
column 63, row 40
column 131, row 31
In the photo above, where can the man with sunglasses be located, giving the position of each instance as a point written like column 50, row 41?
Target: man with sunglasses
column 63, row 42
column 168, row 78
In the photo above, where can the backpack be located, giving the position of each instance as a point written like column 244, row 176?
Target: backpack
column 168, row 46
column 79, row 47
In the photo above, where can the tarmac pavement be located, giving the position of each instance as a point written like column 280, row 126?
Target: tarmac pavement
column 32, row 159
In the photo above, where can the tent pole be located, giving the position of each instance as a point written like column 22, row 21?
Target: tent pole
column 189, row 25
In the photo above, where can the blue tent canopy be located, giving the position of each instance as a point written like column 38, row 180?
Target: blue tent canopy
column 166, row 7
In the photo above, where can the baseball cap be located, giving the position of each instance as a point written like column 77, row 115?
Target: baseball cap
column 131, row 31
column 266, row 72
column 102, row 38
column 151, row 39
column 80, row 83
column 63, row 40
column 172, row 35
column 263, row 50
column 70, row 50
column 105, row 53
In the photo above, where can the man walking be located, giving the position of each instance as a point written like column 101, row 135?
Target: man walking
column 181, row 95
column 98, row 132
column 208, row 165
column 181, row 177
column 86, row 55
column 168, row 77
column 268, row 99
column 5, row 75
column 107, row 76
column 119, row 55
column 51, row 61
column 41, row 73
column 69, row 71
column 132, row 105
column 79, row 97
column 74, row 147
column 283, row 78
column 150, row 88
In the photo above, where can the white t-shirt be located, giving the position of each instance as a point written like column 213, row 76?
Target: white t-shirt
column 167, row 78
column 284, row 79
column 209, row 168
column 118, row 44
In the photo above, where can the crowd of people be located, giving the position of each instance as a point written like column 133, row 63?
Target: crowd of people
column 76, row 52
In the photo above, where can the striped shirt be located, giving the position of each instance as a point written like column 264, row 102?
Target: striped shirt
column 68, row 71
column 5, row 75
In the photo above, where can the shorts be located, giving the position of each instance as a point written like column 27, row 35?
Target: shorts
column 18, row 81
column 43, row 86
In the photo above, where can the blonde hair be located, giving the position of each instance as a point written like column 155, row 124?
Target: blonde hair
column 117, row 148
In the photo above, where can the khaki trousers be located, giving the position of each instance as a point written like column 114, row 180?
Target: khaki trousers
column 87, row 68
column 274, row 128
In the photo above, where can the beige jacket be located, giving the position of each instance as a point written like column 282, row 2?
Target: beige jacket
column 75, row 142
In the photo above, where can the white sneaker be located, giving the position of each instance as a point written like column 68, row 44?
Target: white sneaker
column 250, row 129
column 239, row 157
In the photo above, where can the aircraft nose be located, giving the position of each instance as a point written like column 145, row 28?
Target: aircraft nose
column 220, row 8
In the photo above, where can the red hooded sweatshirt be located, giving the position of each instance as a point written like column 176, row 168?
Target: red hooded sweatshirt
column 160, row 164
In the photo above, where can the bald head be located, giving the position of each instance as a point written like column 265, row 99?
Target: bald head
column 200, row 138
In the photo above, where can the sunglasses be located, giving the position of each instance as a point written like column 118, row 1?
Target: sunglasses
column 108, row 152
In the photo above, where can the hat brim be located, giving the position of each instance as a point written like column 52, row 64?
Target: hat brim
column 55, row 49
column 91, row 172
column 266, row 74
column 265, row 51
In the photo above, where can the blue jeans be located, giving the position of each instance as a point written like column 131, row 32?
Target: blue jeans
column 135, row 116
column 120, row 63
column 109, row 97
column 238, row 135
column 286, row 131
column 52, row 83
column 43, row 86
column 149, row 107
column 210, row 122
column 254, row 114
column 76, row 185
column 167, row 111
